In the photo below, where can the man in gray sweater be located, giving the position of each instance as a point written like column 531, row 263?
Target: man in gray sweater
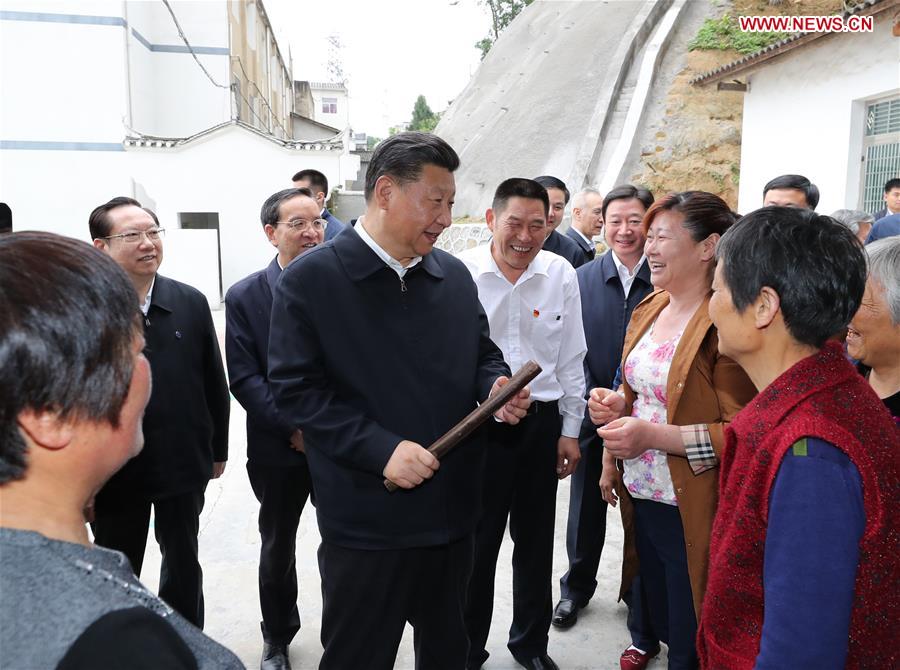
column 74, row 386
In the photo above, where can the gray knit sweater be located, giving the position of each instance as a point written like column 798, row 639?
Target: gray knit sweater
column 51, row 591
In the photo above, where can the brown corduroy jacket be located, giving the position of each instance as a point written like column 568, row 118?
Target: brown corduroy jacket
column 703, row 387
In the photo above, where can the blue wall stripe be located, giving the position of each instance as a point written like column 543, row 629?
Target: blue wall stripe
column 110, row 21
column 62, row 18
column 29, row 145
column 179, row 48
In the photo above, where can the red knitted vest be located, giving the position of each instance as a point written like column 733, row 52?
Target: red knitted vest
column 821, row 396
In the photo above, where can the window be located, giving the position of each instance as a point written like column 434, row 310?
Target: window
column 882, row 150
column 329, row 106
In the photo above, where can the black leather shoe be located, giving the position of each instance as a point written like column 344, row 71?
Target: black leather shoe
column 275, row 657
column 565, row 614
column 542, row 662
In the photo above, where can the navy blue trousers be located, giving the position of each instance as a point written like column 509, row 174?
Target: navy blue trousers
column 664, row 577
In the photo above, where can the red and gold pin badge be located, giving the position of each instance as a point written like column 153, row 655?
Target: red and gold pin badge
column 536, row 313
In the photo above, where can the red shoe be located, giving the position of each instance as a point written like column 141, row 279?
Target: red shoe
column 632, row 659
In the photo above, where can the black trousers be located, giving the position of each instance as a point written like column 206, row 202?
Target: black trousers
column 369, row 595
column 659, row 536
column 520, row 484
column 282, row 492
column 586, row 528
column 122, row 524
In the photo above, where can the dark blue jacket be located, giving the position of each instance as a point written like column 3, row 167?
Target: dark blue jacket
column 186, row 421
column 588, row 250
column 605, row 313
column 563, row 246
column 360, row 360
column 886, row 227
column 335, row 225
column 248, row 308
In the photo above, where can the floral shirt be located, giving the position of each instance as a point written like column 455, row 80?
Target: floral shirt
column 647, row 372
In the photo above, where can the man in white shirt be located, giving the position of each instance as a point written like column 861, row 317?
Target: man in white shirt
column 533, row 306
column 587, row 221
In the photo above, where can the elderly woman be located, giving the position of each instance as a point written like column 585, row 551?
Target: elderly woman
column 858, row 222
column 73, row 391
column 666, row 429
column 803, row 566
column 874, row 334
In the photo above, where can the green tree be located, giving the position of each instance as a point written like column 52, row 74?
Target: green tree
column 422, row 117
column 502, row 14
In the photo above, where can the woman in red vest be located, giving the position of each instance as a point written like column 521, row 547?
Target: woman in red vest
column 804, row 570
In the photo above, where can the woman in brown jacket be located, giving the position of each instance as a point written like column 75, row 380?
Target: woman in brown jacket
column 665, row 425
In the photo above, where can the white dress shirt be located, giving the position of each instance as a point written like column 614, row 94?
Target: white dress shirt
column 584, row 237
column 626, row 276
column 389, row 260
column 145, row 308
column 537, row 318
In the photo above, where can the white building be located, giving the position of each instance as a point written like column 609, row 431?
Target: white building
column 186, row 106
column 824, row 105
column 331, row 104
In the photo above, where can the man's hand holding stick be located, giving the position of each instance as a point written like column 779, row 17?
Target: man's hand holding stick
column 506, row 401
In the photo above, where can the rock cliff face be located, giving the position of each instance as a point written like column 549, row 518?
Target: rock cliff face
column 529, row 106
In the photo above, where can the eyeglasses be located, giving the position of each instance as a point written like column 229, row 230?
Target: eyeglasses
column 303, row 224
column 134, row 237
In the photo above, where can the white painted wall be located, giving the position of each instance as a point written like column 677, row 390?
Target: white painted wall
column 170, row 94
column 231, row 171
column 62, row 81
column 803, row 114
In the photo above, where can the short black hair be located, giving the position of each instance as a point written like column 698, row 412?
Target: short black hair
column 891, row 184
column 66, row 335
column 403, row 156
column 548, row 181
column 704, row 213
column 269, row 212
column 628, row 192
column 99, row 223
column 797, row 182
column 518, row 187
column 317, row 180
column 816, row 265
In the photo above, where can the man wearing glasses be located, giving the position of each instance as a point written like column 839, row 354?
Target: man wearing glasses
column 276, row 464
column 186, row 421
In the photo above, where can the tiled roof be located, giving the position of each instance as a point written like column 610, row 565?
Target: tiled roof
column 867, row 8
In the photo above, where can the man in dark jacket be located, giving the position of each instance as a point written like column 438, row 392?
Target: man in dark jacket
column 317, row 183
column 557, row 243
column 404, row 356
column 275, row 462
column 587, row 221
column 186, row 422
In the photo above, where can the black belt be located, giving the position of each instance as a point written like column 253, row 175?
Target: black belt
column 538, row 405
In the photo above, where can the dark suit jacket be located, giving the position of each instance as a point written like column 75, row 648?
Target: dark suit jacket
column 881, row 213
column 563, row 246
column 186, row 421
column 248, row 309
column 605, row 314
column 589, row 250
column 887, row 226
column 360, row 360
column 335, row 225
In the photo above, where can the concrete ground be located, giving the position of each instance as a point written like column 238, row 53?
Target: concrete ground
column 229, row 554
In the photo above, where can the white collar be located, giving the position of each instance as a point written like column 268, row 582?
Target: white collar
column 620, row 266
column 146, row 306
column 389, row 260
